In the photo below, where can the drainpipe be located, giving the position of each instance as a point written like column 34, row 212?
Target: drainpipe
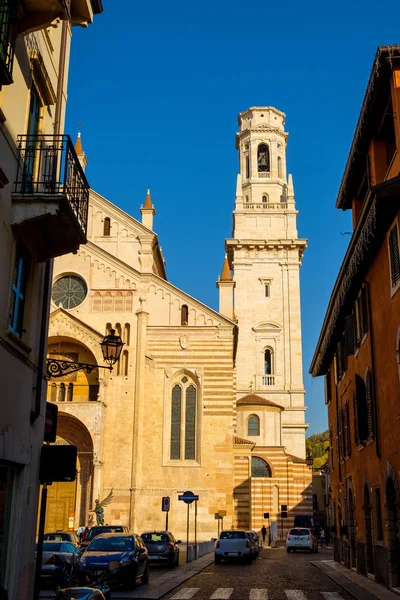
column 49, row 264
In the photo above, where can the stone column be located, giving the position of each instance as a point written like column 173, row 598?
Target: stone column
column 142, row 318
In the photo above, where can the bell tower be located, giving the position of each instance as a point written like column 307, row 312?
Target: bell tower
column 265, row 255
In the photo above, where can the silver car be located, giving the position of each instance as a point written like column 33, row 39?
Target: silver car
column 301, row 538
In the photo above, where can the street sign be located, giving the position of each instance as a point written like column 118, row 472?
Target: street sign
column 218, row 516
column 50, row 422
column 188, row 497
column 266, row 515
column 284, row 514
column 283, row 507
column 166, row 503
column 222, row 513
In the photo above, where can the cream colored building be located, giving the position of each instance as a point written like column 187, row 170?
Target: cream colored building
column 192, row 404
column 40, row 218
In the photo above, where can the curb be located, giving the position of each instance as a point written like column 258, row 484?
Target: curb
column 358, row 586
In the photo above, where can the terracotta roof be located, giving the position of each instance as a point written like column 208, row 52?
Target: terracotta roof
column 226, row 272
column 296, row 459
column 78, row 144
column 253, row 399
column 147, row 202
column 241, row 441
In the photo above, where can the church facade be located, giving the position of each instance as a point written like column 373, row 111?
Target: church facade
column 207, row 401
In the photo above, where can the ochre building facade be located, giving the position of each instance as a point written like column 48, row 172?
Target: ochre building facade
column 211, row 402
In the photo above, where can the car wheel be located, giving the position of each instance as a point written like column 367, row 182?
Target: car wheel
column 288, row 550
column 131, row 580
column 176, row 563
column 217, row 559
column 146, row 574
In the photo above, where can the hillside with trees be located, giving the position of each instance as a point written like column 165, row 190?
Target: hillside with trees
column 318, row 446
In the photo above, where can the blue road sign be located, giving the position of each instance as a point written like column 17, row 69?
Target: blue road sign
column 188, row 497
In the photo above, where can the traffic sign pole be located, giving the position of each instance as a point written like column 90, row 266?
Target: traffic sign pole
column 187, row 533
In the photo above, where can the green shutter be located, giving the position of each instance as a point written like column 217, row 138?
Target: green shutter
column 394, row 255
column 176, row 408
column 370, row 407
column 190, row 424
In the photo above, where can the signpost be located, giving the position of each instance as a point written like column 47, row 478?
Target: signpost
column 219, row 518
column 165, row 506
column 188, row 497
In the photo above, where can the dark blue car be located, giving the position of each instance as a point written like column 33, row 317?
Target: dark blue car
column 127, row 549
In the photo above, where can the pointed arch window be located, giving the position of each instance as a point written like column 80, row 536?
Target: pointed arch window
column 253, row 425
column 263, row 164
column 260, row 468
column 184, row 420
column 127, row 334
column 184, row 314
column 61, row 395
column 107, row 227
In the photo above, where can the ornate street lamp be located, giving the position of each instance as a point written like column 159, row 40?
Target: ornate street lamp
column 309, row 460
column 111, row 347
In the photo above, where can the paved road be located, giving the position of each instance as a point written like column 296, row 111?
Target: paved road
column 275, row 575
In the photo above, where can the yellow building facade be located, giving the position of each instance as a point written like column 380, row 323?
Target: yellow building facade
column 179, row 411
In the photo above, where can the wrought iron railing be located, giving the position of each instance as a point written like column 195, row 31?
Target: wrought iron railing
column 48, row 165
column 8, row 28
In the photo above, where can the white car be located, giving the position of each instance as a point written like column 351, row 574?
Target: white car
column 233, row 543
column 301, row 538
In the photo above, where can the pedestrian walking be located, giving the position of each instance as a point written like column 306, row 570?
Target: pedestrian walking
column 80, row 530
column 263, row 533
column 322, row 538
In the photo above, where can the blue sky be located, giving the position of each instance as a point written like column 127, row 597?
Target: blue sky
column 158, row 85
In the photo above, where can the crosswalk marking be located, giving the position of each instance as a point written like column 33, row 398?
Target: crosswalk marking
column 260, row 594
column 331, row 596
column 185, row 594
column 295, row 595
column 222, row 594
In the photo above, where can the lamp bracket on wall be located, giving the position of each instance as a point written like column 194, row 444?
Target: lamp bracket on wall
column 60, row 368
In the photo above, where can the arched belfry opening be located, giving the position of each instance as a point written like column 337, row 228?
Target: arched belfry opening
column 263, row 159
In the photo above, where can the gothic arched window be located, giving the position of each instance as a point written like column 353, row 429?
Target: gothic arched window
column 253, row 425
column 107, row 226
column 184, row 425
column 263, row 159
column 70, row 392
column 259, row 467
column 184, row 314
column 268, row 367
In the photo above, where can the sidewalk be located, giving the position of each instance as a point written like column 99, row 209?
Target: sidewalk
column 159, row 585
column 359, row 586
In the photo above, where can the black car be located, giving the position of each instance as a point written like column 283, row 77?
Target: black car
column 127, row 549
column 98, row 529
column 162, row 547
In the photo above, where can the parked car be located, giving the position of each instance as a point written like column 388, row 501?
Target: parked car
column 98, row 529
column 59, row 561
column 128, row 549
column 301, row 538
column 62, row 536
column 162, row 547
column 233, row 544
column 255, row 541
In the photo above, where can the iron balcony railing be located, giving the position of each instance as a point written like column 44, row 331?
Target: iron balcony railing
column 48, row 166
column 8, row 28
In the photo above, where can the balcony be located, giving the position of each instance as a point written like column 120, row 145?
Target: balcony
column 50, row 196
column 265, row 381
column 8, row 29
column 265, row 206
column 264, row 174
column 39, row 14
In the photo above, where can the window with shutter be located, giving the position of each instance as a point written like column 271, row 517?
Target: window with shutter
column 343, row 354
column 18, row 290
column 341, row 436
column 176, row 409
column 357, row 322
column 346, row 428
column 362, row 410
column 349, row 335
column 356, row 433
column 337, row 437
column 394, row 255
column 190, row 423
column 364, row 310
column 332, row 464
column 370, row 404
column 328, row 392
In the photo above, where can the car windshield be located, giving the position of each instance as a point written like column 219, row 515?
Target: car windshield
column 57, row 537
column 111, row 544
column 98, row 530
column 154, row 537
column 299, row 532
column 232, row 535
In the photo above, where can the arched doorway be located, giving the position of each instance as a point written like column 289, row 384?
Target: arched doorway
column 72, row 499
column 352, row 531
column 392, row 520
column 369, row 548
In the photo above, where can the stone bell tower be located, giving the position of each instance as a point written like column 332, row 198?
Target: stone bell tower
column 265, row 255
